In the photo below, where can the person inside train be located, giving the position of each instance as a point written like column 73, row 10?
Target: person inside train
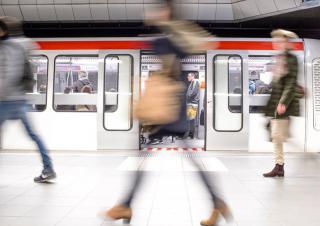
column 16, row 79
column 42, row 90
column 83, row 81
column 182, row 38
column 193, row 97
column 284, row 101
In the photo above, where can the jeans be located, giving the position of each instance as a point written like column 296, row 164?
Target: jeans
column 16, row 110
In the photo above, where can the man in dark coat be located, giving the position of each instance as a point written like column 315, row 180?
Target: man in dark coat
column 284, row 100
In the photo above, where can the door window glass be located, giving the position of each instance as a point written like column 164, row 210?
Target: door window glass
column 75, row 83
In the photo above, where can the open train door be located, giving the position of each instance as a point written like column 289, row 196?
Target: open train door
column 119, row 82
column 227, row 109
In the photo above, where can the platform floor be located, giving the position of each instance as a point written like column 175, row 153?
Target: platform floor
column 171, row 196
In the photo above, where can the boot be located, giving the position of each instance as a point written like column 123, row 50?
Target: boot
column 119, row 212
column 213, row 219
column 277, row 171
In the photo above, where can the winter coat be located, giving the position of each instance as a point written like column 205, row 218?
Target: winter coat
column 193, row 92
column 284, row 89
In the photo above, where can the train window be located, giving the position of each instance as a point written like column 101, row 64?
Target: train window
column 260, row 77
column 76, row 83
column 235, row 84
column 38, row 98
column 118, row 92
column 111, row 84
column 228, row 93
column 316, row 93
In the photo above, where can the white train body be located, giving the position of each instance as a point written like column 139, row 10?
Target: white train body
column 117, row 69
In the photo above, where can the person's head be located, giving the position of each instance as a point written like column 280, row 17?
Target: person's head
column 14, row 25
column 83, row 75
column 191, row 77
column 282, row 39
column 165, row 12
column 3, row 29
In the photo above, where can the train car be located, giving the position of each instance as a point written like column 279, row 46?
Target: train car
column 102, row 119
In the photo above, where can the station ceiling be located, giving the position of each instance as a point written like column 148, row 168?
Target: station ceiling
column 231, row 18
column 134, row 10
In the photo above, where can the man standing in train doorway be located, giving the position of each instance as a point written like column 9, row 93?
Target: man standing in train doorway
column 16, row 79
column 284, row 99
column 193, row 96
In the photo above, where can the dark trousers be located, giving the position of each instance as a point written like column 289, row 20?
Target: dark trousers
column 139, row 176
column 16, row 110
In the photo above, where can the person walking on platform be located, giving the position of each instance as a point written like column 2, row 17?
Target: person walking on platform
column 284, row 99
column 16, row 79
column 174, row 45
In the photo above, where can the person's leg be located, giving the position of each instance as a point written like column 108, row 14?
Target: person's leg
column 46, row 160
column 123, row 210
column 217, row 202
column 137, row 181
column 279, row 133
column 219, row 205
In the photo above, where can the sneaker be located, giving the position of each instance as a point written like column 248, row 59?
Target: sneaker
column 46, row 176
column 155, row 142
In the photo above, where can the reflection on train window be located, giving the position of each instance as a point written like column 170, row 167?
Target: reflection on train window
column 75, row 83
column 38, row 98
column 228, row 93
column 111, row 83
column 235, row 84
column 118, row 92
column 260, row 78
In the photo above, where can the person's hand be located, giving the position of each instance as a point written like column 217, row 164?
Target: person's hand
column 281, row 109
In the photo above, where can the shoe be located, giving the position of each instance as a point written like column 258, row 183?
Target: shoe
column 46, row 176
column 119, row 212
column 213, row 219
column 155, row 142
column 277, row 171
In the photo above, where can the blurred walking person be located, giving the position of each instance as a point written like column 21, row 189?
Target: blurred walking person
column 284, row 99
column 164, row 101
column 16, row 79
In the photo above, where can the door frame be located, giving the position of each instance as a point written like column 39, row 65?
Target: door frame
column 239, row 138
column 114, row 139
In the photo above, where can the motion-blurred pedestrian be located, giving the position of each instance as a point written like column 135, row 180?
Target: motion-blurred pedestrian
column 16, row 79
column 284, row 99
column 180, row 39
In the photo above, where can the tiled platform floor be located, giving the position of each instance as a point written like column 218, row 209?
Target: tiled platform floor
column 172, row 194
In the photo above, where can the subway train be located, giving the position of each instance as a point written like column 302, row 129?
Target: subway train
column 235, row 85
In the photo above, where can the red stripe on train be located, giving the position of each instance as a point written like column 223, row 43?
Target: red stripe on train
column 93, row 45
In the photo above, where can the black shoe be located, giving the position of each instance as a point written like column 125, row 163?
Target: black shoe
column 46, row 176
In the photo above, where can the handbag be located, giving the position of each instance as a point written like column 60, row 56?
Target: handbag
column 160, row 103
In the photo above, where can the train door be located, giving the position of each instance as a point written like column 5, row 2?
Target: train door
column 192, row 66
column 119, row 81
column 227, row 102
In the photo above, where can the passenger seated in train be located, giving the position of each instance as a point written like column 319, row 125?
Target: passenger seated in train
column 86, row 89
column 83, row 80
column 42, row 90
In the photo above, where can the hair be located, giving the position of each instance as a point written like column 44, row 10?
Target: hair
column 3, row 26
column 83, row 73
column 170, row 4
column 14, row 25
column 284, row 34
